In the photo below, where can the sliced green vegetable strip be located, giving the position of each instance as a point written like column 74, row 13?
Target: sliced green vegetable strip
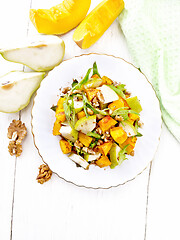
column 122, row 155
column 95, row 69
column 117, row 90
column 85, row 79
column 54, row 108
column 94, row 134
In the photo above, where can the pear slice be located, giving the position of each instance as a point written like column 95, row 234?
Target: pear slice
column 86, row 125
column 114, row 155
column 134, row 104
column 16, row 89
column 79, row 160
column 128, row 128
column 78, row 105
column 42, row 53
column 93, row 83
column 108, row 94
column 69, row 133
column 90, row 157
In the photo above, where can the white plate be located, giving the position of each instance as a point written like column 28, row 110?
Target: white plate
column 43, row 119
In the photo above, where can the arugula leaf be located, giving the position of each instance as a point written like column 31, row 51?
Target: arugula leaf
column 121, row 87
column 71, row 143
column 139, row 134
column 84, row 106
column 124, row 113
column 122, row 155
column 69, row 110
column 75, row 82
column 136, row 125
column 93, row 144
column 73, row 113
column 117, row 90
column 85, row 79
column 54, row 108
column 95, row 69
column 94, row 134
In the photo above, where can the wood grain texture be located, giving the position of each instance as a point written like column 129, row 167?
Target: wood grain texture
column 59, row 210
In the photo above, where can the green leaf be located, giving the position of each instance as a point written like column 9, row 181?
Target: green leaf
column 69, row 110
column 121, row 87
column 117, row 90
column 124, row 113
column 95, row 69
column 87, row 104
column 139, row 134
column 94, row 134
column 85, row 79
column 54, row 108
column 85, row 107
column 93, row 144
column 122, row 155
column 75, row 82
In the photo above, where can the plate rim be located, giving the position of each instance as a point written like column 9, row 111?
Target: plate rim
column 96, row 188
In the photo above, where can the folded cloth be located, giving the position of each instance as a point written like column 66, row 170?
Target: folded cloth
column 152, row 31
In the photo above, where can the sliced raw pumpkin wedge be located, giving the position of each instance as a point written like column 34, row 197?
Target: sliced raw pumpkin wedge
column 60, row 18
column 97, row 22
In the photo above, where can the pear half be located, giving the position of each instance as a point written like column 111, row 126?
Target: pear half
column 16, row 89
column 41, row 53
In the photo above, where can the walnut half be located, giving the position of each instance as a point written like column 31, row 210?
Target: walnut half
column 45, row 174
column 16, row 132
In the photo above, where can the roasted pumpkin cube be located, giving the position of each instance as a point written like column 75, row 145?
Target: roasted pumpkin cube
column 105, row 148
column 95, row 76
column 81, row 114
column 91, row 93
column 131, row 141
column 118, row 134
column 60, row 102
column 106, row 123
column 107, row 80
column 60, row 115
column 84, row 139
column 116, row 104
column 65, row 146
column 103, row 162
column 125, row 103
column 56, row 128
column 132, row 117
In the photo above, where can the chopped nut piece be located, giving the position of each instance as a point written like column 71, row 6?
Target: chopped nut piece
column 119, row 118
column 16, row 132
column 65, row 90
column 89, row 111
column 85, row 149
column 99, row 142
column 45, row 174
column 78, row 144
column 132, row 153
column 140, row 124
column 110, row 111
column 15, row 149
column 20, row 129
column 99, row 131
column 100, row 97
column 90, row 151
column 95, row 102
column 99, row 116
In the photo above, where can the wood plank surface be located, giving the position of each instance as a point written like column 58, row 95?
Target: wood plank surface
column 13, row 22
column 59, row 210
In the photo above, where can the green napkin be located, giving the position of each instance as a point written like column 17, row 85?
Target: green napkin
column 152, row 30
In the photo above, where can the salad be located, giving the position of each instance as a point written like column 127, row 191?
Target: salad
column 98, row 121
